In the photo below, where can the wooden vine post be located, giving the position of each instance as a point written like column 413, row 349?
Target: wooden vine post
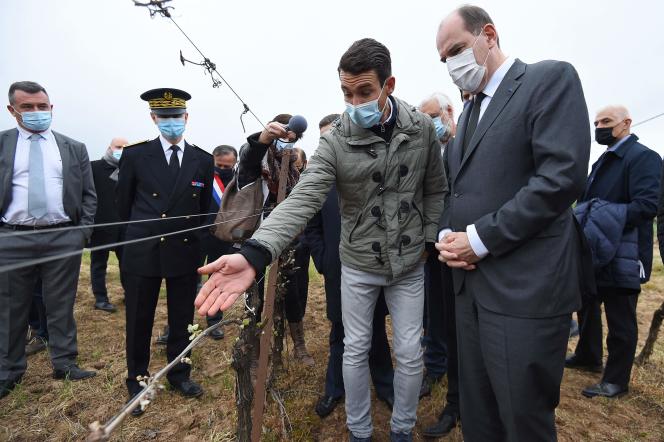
column 268, row 311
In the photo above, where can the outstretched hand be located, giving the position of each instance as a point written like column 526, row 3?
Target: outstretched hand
column 230, row 276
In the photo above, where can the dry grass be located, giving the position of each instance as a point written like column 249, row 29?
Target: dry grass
column 45, row 409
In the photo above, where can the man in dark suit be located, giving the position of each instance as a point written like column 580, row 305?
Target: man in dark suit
column 163, row 178
column 627, row 174
column 322, row 235
column 440, row 294
column 105, row 175
column 45, row 183
column 517, row 164
column 225, row 159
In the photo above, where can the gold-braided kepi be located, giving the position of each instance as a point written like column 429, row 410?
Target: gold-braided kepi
column 166, row 101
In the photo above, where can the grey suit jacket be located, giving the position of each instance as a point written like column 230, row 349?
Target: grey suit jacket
column 522, row 170
column 78, row 191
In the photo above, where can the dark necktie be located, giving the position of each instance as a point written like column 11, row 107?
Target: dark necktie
column 174, row 163
column 473, row 120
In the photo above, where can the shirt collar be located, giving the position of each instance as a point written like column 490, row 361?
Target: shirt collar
column 618, row 143
column 24, row 134
column 165, row 144
column 497, row 77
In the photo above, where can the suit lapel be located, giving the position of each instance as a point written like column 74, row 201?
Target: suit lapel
column 65, row 157
column 7, row 155
column 507, row 88
column 187, row 170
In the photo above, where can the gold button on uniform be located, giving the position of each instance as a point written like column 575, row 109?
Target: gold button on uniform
column 186, row 240
column 163, row 215
column 162, row 239
column 155, row 195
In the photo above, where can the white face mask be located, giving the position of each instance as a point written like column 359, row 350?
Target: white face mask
column 466, row 74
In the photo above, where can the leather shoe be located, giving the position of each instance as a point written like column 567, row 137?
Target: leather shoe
column 138, row 410
column 105, row 306
column 188, row 388
column 73, row 373
column 428, row 382
column 446, row 422
column 604, row 389
column 217, row 334
column 35, row 345
column 388, row 400
column 8, row 385
column 572, row 361
column 326, row 405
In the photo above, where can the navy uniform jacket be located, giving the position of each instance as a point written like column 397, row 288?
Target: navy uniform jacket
column 146, row 191
column 630, row 175
column 107, row 212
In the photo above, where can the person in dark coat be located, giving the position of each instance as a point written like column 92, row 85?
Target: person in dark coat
column 225, row 159
column 440, row 291
column 105, row 175
column 322, row 236
column 160, row 179
column 258, row 160
column 626, row 175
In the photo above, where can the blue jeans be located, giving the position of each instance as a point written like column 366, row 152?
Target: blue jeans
column 404, row 296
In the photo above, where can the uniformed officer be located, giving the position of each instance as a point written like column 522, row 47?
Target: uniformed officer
column 165, row 179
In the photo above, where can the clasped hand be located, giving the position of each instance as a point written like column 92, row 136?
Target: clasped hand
column 456, row 252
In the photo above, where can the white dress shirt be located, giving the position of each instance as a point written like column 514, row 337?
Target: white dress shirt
column 17, row 211
column 166, row 145
column 489, row 90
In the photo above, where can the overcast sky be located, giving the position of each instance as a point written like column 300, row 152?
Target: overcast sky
column 96, row 57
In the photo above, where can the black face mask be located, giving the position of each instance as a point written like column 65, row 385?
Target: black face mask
column 604, row 136
column 226, row 175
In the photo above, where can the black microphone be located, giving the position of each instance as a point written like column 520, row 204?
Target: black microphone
column 297, row 124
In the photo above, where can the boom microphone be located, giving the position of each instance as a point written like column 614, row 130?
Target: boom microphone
column 297, row 124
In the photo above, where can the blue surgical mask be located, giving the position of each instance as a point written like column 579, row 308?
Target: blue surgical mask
column 442, row 129
column 171, row 128
column 37, row 121
column 281, row 145
column 117, row 154
column 367, row 114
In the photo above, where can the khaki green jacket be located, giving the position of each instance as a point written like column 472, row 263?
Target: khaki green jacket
column 390, row 196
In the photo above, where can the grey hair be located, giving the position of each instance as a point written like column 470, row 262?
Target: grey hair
column 442, row 99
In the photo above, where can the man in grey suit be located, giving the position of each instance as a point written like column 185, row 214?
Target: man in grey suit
column 45, row 183
column 517, row 164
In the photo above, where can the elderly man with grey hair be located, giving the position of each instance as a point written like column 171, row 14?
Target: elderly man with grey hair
column 439, row 107
column 105, row 176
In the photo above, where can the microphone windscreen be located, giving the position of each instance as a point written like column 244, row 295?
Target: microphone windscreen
column 297, row 124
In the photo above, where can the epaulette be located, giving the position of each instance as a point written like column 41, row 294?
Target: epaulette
column 202, row 150
column 134, row 144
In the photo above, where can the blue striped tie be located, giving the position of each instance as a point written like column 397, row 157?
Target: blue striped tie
column 36, row 187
